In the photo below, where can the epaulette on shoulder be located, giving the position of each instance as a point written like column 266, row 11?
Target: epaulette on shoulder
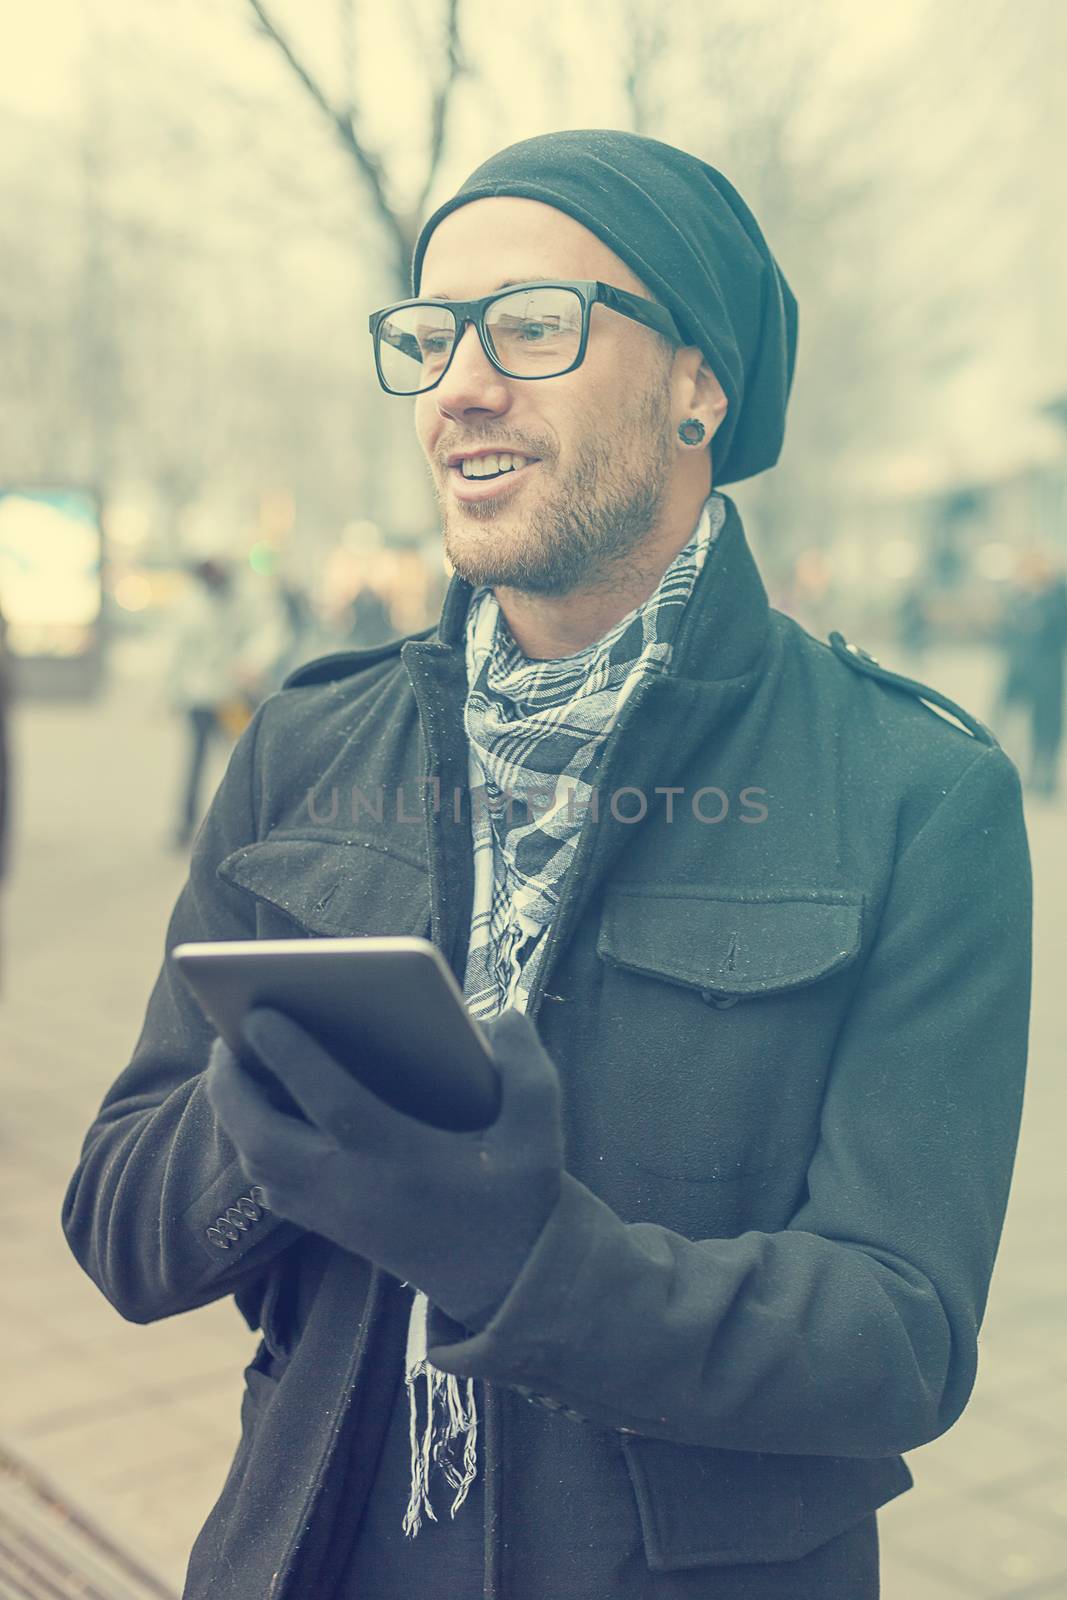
column 345, row 663
column 860, row 661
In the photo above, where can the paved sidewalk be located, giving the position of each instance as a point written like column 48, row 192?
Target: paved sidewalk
column 49, row 1553
column 136, row 1425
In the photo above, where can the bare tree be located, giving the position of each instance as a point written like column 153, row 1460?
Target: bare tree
column 399, row 223
column 817, row 159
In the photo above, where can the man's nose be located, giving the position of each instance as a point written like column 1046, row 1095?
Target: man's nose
column 472, row 383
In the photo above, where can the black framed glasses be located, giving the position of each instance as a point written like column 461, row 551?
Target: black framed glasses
column 527, row 330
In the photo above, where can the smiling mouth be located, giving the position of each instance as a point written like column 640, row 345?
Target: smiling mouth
column 483, row 469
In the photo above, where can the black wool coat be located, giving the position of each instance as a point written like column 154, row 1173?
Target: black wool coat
column 787, row 993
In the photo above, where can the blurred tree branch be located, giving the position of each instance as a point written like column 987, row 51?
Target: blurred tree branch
column 400, row 225
column 646, row 38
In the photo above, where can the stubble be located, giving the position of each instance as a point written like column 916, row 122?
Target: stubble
column 583, row 530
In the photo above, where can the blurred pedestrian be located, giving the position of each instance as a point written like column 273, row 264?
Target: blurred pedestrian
column 299, row 628
column 368, row 621
column 1035, row 641
column 913, row 623
column 222, row 651
column 5, row 763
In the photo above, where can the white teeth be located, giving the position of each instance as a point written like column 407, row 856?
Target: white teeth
column 485, row 466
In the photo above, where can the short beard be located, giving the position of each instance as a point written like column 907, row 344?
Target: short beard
column 593, row 523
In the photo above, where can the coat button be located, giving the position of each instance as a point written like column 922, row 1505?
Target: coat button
column 712, row 997
column 216, row 1238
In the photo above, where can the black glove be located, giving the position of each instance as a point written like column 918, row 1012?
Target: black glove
column 455, row 1214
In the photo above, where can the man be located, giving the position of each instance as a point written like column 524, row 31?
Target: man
column 1035, row 639
column 221, row 649
column 757, row 918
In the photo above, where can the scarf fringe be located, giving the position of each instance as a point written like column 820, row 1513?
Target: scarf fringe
column 442, row 1393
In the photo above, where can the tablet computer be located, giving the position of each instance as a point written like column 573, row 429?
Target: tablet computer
column 389, row 1010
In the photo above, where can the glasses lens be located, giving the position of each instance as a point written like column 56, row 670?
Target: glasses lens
column 414, row 344
column 535, row 333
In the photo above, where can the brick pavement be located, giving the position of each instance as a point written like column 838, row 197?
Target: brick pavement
column 136, row 1425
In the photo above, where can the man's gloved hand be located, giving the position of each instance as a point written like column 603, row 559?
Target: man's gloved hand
column 455, row 1214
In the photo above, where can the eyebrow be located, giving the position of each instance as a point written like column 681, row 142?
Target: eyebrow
column 508, row 283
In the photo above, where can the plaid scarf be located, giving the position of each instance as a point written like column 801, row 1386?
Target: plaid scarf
column 536, row 731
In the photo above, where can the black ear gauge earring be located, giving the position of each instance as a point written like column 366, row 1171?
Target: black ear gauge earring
column 691, row 431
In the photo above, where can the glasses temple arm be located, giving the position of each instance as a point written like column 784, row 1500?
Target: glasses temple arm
column 649, row 312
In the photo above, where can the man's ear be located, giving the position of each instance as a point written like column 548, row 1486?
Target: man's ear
column 710, row 396
column 702, row 394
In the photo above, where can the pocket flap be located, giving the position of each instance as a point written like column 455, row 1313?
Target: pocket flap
column 705, row 1507
column 730, row 942
column 334, row 889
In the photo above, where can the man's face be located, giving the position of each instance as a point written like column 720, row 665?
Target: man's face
column 600, row 439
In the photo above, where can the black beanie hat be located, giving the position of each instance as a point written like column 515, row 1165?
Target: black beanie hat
column 692, row 241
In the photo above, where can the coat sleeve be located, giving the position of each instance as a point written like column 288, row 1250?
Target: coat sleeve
column 853, row 1331
column 156, row 1170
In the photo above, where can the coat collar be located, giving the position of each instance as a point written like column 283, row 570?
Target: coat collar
column 718, row 660
column 722, row 630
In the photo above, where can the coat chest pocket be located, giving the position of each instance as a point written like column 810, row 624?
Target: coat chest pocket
column 331, row 888
column 724, row 1005
column 730, row 945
